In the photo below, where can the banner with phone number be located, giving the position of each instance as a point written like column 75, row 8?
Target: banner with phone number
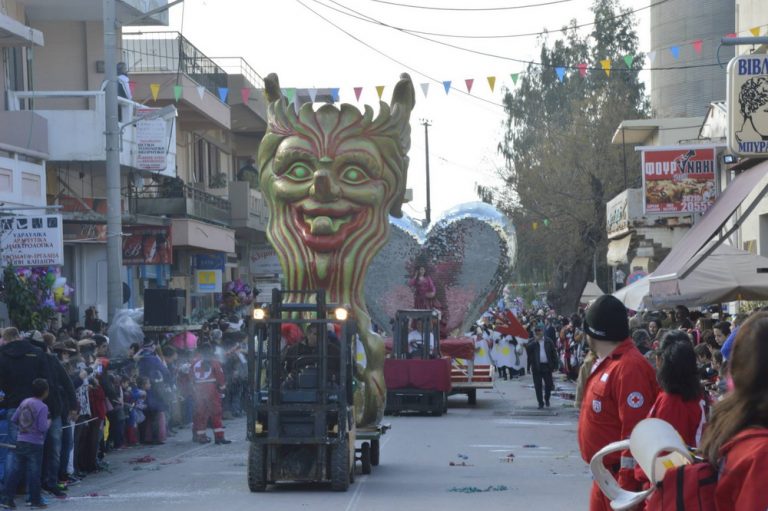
column 679, row 180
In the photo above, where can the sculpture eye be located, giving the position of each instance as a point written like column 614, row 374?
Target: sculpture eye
column 354, row 176
column 298, row 172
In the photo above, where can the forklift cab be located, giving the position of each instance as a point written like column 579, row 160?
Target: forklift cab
column 301, row 423
column 416, row 334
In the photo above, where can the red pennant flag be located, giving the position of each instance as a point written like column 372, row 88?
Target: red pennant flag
column 732, row 34
column 358, row 91
column 132, row 86
column 697, row 46
column 582, row 69
column 469, row 82
column 245, row 93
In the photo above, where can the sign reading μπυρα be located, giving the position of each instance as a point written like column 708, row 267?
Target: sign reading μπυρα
column 748, row 105
column 35, row 240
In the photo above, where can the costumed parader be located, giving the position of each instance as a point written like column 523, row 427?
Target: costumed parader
column 424, row 290
column 209, row 385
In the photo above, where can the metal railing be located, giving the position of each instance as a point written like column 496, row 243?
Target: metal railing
column 239, row 66
column 180, row 199
column 171, row 52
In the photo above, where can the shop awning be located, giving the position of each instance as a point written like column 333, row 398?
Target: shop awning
column 688, row 253
column 617, row 251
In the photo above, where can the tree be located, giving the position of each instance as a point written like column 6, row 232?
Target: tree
column 561, row 168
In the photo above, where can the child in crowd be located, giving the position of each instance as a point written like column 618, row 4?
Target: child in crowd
column 31, row 418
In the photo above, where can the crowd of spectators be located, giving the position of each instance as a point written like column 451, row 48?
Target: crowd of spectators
column 97, row 403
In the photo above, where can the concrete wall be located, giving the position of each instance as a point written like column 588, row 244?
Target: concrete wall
column 688, row 92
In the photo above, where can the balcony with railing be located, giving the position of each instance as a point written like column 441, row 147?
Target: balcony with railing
column 249, row 209
column 174, row 198
column 153, row 56
column 77, row 134
column 246, row 98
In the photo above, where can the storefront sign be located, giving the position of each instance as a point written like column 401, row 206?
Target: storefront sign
column 264, row 261
column 208, row 281
column 678, row 180
column 35, row 240
column 151, row 141
column 147, row 245
column 748, row 105
column 210, row 261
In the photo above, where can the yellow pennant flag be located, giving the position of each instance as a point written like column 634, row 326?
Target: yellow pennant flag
column 379, row 90
column 491, row 82
column 155, row 88
column 606, row 66
column 755, row 31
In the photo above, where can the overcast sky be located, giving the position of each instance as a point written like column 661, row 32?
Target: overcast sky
column 306, row 51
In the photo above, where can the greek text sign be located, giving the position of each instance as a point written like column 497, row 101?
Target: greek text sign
column 748, row 105
column 152, row 141
column 31, row 241
column 678, row 180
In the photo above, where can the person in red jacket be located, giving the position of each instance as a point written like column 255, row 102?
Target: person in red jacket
column 736, row 439
column 209, row 384
column 618, row 394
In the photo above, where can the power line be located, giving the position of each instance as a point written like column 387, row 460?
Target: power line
column 370, row 19
column 529, row 34
column 465, row 9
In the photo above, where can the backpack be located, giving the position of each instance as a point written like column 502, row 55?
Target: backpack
column 685, row 488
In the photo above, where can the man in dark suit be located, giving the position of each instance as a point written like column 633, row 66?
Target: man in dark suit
column 542, row 356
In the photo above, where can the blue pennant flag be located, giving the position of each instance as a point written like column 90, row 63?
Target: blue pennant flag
column 560, row 73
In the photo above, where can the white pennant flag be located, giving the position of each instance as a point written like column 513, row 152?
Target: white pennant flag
column 200, row 91
column 651, row 56
column 425, row 88
column 312, row 94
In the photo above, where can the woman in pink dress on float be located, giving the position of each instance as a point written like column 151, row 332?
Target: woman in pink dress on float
column 423, row 290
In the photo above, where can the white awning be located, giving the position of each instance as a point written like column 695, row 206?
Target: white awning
column 617, row 251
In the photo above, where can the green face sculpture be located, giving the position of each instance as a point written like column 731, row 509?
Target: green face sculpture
column 331, row 177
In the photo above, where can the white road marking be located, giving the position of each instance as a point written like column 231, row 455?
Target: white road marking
column 353, row 502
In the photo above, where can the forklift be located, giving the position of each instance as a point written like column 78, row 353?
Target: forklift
column 418, row 377
column 301, row 421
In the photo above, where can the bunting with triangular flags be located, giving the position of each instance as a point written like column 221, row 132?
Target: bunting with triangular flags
column 177, row 91
column 358, row 91
column 628, row 60
column 651, row 56
column 491, row 82
column 245, row 94
column 560, row 73
column 675, row 51
column 469, row 82
column 335, row 93
column 697, row 46
column 582, row 67
column 290, row 93
column 514, row 77
column 379, row 90
column 200, row 91
column 223, row 93
column 606, row 65
column 132, row 86
column 312, row 94
column 425, row 88
column 155, row 89
column 447, row 85
column 755, row 31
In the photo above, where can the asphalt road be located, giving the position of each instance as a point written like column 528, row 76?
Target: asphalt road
column 458, row 461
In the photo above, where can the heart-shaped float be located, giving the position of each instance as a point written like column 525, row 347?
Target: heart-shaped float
column 467, row 254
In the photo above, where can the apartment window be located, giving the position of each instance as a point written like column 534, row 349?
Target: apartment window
column 214, row 163
column 200, row 161
column 17, row 66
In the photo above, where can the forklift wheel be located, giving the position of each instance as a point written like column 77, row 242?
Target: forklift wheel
column 341, row 472
column 257, row 467
column 365, row 457
column 375, row 453
column 472, row 396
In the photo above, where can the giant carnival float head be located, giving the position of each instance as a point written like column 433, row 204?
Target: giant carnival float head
column 331, row 177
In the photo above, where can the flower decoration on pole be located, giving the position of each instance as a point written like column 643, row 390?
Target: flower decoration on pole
column 35, row 295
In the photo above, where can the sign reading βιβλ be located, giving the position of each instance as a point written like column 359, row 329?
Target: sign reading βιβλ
column 35, row 240
column 748, row 105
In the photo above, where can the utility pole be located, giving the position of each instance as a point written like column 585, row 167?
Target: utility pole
column 426, row 124
column 112, row 133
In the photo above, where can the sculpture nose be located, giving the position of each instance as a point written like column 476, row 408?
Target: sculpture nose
column 324, row 188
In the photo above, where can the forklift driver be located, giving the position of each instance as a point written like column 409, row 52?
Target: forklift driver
column 306, row 353
column 416, row 340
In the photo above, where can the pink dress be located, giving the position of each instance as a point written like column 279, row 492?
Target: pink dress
column 423, row 292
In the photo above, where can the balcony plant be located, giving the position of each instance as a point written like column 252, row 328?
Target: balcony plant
column 218, row 181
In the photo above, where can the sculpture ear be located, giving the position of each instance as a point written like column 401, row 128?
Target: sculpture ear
column 272, row 87
column 404, row 96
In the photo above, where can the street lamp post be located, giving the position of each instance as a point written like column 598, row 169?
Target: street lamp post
column 428, row 218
